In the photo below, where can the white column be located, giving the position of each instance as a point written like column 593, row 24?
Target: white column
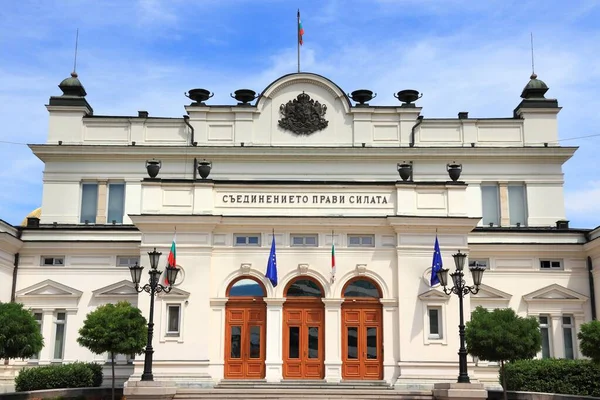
column 216, row 350
column 274, row 361
column 578, row 320
column 333, row 339
column 48, row 328
column 390, row 340
column 71, row 335
column 558, row 343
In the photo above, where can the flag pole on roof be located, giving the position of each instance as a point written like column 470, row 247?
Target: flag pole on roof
column 300, row 41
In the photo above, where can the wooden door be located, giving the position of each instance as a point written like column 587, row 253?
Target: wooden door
column 362, row 341
column 303, row 340
column 245, row 341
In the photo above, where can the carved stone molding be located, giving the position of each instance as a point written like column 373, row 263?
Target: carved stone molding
column 302, row 269
column 303, row 115
column 245, row 268
column 361, row 269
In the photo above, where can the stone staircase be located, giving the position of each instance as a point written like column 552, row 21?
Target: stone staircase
column 301, row 390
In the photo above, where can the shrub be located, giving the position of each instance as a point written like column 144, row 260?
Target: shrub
column 589, row 335
column 576, row 377
column 59, row 377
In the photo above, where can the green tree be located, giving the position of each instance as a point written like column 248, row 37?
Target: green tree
column 114, row 329
column 20, row 335
column 501, row 336
column 589, row 336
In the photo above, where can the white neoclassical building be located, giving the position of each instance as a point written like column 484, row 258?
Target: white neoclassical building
column 313, row 169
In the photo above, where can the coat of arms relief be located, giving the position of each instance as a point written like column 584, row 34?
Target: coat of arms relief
column 303, row 115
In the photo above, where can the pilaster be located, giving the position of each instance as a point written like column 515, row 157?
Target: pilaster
column 102, row 202
column 216, row 346
column 274, row 359
column 558, row 343
column 390, row 340
column 504, row 211
column 333, row 336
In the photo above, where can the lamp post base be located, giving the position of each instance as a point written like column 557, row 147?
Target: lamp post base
column 455, row 391
column 150, row 390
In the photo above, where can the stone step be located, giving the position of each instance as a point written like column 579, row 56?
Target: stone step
column 312, row 393
column 302, row 384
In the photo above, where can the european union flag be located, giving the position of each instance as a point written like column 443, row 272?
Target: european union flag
column 436, row 264
column 271, row 273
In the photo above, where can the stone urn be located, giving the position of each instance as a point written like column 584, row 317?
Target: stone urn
column 199, row 95
column 204, row 168
column 362, row 96
column 244, row 96
column 405, row 171
column 408, row 96
column 454, row 171
column 153, row 167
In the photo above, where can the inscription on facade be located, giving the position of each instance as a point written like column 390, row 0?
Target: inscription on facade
column 299, row 199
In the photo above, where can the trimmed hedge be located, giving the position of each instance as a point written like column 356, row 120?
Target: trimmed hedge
column 74, row 375
column 577, row 377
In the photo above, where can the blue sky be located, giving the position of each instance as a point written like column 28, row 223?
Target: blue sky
column 143, row 55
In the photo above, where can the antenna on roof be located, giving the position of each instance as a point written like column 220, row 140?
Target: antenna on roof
column 75, row 61
column 532, row 61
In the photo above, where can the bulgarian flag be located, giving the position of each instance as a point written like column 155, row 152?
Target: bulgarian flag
column 300, row 29
column 332, row 259
column 172, row 260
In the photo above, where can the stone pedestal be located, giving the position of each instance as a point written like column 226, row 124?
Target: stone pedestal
column 452, row 391
column 153, row 390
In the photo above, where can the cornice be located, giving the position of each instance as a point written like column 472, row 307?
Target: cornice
column 51, row 152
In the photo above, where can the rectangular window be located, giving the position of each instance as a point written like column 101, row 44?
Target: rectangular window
column 38, row 318
column 173, row 319
column 59, row 335
column 545, row 331
column 490, row 205
column 54, row 260
column 480, row 262
column 361, row 240
column 567, row 325
column 246, row 240
column 89, row 203
column 435, row 322
column 116, row 203
column 127, row 261
column 517, row 205
column 305, row 240
column 551, row 264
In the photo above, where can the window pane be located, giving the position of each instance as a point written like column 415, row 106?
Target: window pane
column 354, row 240
column 568, row 336
column 294, row 348
column 478, row 263
column 252, row 239
column 313, row 342
column 310, row 240
column 173, row 326
column 367, row 240
column 490, row 205
column 255, row 342
column 89, row 202
column 236, row 341
column 516, row 205
column 371, row 343
column 61, row 316
column 361, row 288
column 116, row 202
column 543, row 320
column 240, row 240
column 246, row 287
column 434, row 328
column 352, row 343
column 566, row 320
column 297, row 240
column 304, row 288
column 59, row 341
column 545, row 343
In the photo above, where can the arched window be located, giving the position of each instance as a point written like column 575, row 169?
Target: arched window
column 362, row 288
column 304, row 288
column 246, row 287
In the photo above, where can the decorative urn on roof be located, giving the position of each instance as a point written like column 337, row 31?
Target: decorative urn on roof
column 362, row 96
column 199, row 96
column 408, row 96
column 244, row 96
column 535, row 88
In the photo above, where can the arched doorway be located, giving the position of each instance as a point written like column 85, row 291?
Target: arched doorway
column 245, row 326
column 362, row 330
column 303, row 330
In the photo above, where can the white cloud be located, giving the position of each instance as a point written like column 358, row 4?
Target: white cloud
column 584, row 203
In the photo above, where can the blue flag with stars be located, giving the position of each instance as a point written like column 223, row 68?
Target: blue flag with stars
column 436, row 264
column 271, row 273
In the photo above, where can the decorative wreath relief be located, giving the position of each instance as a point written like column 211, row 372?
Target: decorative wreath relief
column 303, row 115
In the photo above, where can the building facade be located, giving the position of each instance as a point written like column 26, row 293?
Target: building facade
column 314, row 173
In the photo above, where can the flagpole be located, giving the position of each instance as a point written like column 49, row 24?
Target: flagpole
column 298, row 38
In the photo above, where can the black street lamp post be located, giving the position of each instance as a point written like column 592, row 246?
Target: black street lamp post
column 461, row 289
column 153, row 287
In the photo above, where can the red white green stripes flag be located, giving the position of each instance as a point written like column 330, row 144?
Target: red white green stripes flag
column 332, row 258
column 172, row 260
column 300, row 29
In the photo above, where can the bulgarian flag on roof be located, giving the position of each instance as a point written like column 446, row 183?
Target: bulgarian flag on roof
column 300, row 29
column 332, row 258
column 172, row 260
